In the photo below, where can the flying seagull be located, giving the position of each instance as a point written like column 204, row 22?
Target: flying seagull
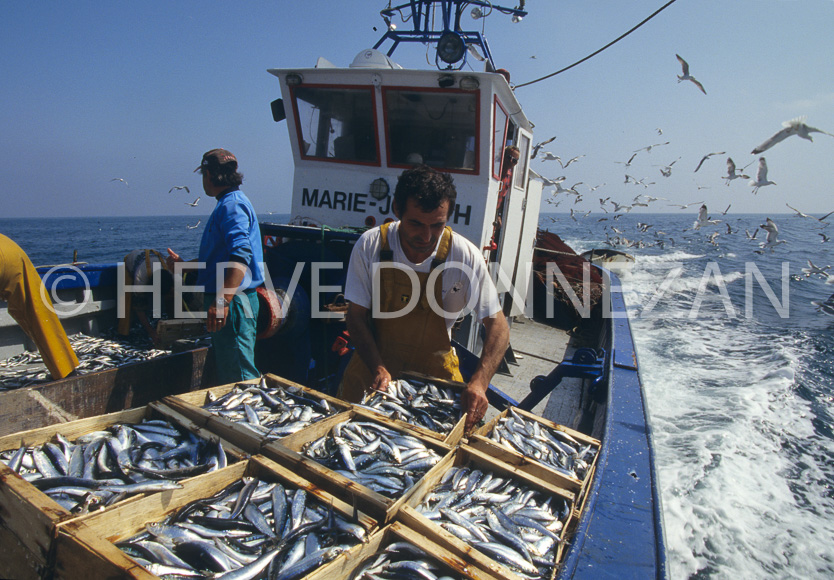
column 761, row 177
column 793, row 127
column 732, row 173
column 703, row 218
column 648, row 148
column 538, row 146
column 686, row 76
column 772, row 233
column 120, row 179
column 193, row 203
column 707, row 156
column 814, row 269
column 185, row 187
column 569, row 161
column 194, row 226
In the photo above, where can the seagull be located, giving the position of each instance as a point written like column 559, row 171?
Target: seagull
column 686, row 76
column 185, row 187
column 793, row 127
column 799, row 213
column 120, row 179
column 667, row 170
column 827, row 307
column 725, row 212
column 813, row 269
column 648, row 148
column 772, row 233
column 569, row 161
column 630, row 159
column 194, row 226
column 703, row 218
column 538, row 146
column 753, row 235
column 761, row 177
column 548, row 156
column 683, row 206
column 732, row 173
column 712, row 237
column 707, row 156
column 193, row 203
column 824, row 238
column 618, row 207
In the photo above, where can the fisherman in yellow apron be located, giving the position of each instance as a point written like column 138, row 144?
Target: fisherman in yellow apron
column 20, row 287
column 407, row 283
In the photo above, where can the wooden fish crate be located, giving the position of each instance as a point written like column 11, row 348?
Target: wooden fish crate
column 466, row 456
column 289, row 453
column 92, row 394
column 480, row 439
column 86, row 548
column 31, row 517
column 452, row 438
column 398, row 532
column 190, row 405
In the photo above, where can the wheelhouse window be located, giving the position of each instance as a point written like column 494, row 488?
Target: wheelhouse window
column 499, row 137
column 438, row 128
column 336, row 123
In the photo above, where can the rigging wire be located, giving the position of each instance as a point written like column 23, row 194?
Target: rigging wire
column 593, row 54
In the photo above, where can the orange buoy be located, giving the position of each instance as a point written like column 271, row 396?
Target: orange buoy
column 270, row 313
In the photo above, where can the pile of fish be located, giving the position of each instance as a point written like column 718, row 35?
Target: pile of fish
column 273, row 412
column 434, row 407
column 382, row 459
column 94, row 354
column 402, row 560
column 104, row 467
column 500, row 517
column 251, row 529
column 551, row 447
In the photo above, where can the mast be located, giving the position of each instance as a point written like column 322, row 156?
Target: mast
column 452, row 43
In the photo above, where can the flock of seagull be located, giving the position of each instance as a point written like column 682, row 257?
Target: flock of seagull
column 174, row 188
column 769, row 242
column 561, row 192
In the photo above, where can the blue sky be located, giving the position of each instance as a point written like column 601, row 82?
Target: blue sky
column 138, row 91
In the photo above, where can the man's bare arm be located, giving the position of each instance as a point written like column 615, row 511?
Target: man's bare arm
column 358, row 320
column 496, row 339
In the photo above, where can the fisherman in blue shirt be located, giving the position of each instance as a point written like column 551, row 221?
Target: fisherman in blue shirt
column 233, row 257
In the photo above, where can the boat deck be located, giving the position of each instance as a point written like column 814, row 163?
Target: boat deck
column 538, row 349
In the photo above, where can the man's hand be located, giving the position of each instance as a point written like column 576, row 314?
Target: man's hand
column 473, row 402
column 216, row 317
column 172, row 257
column 381, row 379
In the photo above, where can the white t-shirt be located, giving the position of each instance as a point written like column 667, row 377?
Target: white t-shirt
column 465, row 279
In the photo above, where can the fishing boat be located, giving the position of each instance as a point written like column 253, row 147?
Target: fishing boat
column 353, row 129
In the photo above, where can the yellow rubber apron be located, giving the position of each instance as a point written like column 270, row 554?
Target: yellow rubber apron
column 416, row 341
column 32, row 309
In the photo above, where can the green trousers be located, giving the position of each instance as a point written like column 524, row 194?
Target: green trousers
column 234, row 344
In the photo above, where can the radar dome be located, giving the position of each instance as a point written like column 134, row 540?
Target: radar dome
column 372, row 58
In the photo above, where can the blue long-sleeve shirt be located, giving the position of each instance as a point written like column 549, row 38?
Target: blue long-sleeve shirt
column 232, row 234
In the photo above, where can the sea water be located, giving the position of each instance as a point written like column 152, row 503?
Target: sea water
column 734, row 359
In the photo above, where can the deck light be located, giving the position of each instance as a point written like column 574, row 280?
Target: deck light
column 379, row 188
column 469, row 83
column 293, row 79
column 477, row 13
column 445, row 81
column 451, row 47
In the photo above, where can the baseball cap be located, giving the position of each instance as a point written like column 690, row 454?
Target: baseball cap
column 217, row 158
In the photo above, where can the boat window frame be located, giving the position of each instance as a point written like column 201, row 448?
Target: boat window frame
column 434, row 90
column 498, row 145
column 521, row 172
column 299, row 135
